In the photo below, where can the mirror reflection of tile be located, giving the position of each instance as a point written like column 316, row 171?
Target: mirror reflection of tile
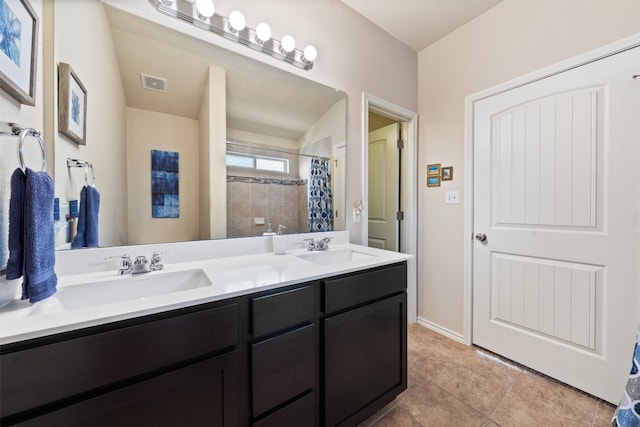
column 165, row 179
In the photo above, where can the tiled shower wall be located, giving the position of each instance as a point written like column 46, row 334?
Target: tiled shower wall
column 277, row 201
column 279, row 198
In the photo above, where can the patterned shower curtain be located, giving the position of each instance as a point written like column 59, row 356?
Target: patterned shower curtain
column 628, row 412
column 320, row 202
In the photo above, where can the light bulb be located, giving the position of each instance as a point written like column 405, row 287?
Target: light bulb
column 237, row 21
column 263, row 32
column 205, row 8
column 310, row 53
column 288, row 44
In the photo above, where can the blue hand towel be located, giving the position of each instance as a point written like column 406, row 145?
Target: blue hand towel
column 31, row 234
column 87, row 234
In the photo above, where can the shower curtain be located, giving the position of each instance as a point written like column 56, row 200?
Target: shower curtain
column 628, row 411
column 320, row 203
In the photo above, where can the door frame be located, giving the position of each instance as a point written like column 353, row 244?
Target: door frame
column 409, row 228
column 575, row 62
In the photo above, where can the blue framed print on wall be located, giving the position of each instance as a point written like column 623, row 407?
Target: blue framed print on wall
column 165, row 180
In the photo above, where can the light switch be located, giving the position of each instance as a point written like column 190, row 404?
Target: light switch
column 452, row 198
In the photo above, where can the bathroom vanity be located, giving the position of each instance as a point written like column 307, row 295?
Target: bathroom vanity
column 327, row 350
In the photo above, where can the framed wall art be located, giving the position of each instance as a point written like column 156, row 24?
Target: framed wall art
column 165, row 184
column 72, row 105
column 433, row 169
column 433, row 181
column 18, row 50
column 447, row 173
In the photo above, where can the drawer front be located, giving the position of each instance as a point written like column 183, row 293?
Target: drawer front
column 301, row 413
column 196, row 395
column 50, row 372
column 346, row 291
column 275, row 312
column 283, row 367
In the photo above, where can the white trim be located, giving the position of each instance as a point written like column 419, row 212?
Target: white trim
column 591, row 56
column 409, row 238
column 441, row 330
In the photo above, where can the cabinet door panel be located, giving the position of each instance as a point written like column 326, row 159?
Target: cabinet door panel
column 282, row 368
column 203, row 394
column 365, row 358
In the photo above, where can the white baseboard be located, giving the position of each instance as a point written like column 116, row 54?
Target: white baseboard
column 441, row 330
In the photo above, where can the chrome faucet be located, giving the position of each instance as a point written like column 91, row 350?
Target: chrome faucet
column 126, row 266
column 156, row 262
column 320, row 245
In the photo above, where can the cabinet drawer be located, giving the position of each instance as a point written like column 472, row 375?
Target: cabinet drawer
column 282, row 310
column 301, row 413
column 196, row 395
column 350, row 290
column 43, row 374
column 282, row 368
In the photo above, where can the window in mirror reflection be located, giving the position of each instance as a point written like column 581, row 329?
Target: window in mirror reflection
column 258, row 162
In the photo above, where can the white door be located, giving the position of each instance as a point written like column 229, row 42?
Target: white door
column 338, row 183
column 383, row 187
column 556, row 192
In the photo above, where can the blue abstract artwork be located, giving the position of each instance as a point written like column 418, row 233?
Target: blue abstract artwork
column 10, row 31
column 165, row 198
column 75, row 107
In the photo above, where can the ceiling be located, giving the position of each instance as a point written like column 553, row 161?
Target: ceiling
column 419, row 23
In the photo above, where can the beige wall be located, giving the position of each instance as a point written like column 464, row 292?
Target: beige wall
column 76, row 42
column 148, row 131
column 514, row 38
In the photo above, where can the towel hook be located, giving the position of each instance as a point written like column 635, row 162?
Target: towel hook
column 36, row 134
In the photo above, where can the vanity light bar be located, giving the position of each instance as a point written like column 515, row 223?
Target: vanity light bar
column 187, row 11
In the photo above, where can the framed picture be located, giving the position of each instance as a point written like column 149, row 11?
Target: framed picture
column 433, row 181
column 72, row 105
column 18, row 50
column 447, row 173
column 433, row 169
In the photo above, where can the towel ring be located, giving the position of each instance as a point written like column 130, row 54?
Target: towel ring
column 86, row 174
column 36, row 134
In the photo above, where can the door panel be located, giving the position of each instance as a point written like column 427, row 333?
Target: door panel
column 555, row 285
column 383, row 188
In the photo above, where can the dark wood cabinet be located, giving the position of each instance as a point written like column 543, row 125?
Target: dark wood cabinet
column 329, row 352
column 131, row 369
column 365, row 344
column 284, row 357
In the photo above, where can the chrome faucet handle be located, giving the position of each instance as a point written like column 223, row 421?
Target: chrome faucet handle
column 312, row 244
column 156, row 262
column 126, row 266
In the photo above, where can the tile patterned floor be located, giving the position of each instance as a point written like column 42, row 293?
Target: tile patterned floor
column 451, row 384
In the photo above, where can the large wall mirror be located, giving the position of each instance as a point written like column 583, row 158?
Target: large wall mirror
column 247, row 135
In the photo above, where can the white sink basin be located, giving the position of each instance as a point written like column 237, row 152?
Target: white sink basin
column 130, row 288
column 330, row 257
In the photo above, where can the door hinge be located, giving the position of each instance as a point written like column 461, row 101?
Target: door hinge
column 400, row 144
column 400, row 216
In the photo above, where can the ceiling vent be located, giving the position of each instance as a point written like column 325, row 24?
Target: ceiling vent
column 153, row 83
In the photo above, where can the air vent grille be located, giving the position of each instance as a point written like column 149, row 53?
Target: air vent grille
column 153, row 83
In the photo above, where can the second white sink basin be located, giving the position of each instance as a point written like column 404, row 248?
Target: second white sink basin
column 130, row 288
column 330, row 257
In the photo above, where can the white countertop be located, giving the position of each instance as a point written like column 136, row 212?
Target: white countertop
column 229, row 277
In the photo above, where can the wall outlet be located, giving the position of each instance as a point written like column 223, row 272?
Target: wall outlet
column 452, row 198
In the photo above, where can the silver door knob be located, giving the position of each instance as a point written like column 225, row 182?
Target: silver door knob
column 481, row 237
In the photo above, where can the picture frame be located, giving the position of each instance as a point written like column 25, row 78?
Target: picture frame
column 447, row 173
column 18, row 50
column 72, row 105
column 433, row 181
column 433, row 169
